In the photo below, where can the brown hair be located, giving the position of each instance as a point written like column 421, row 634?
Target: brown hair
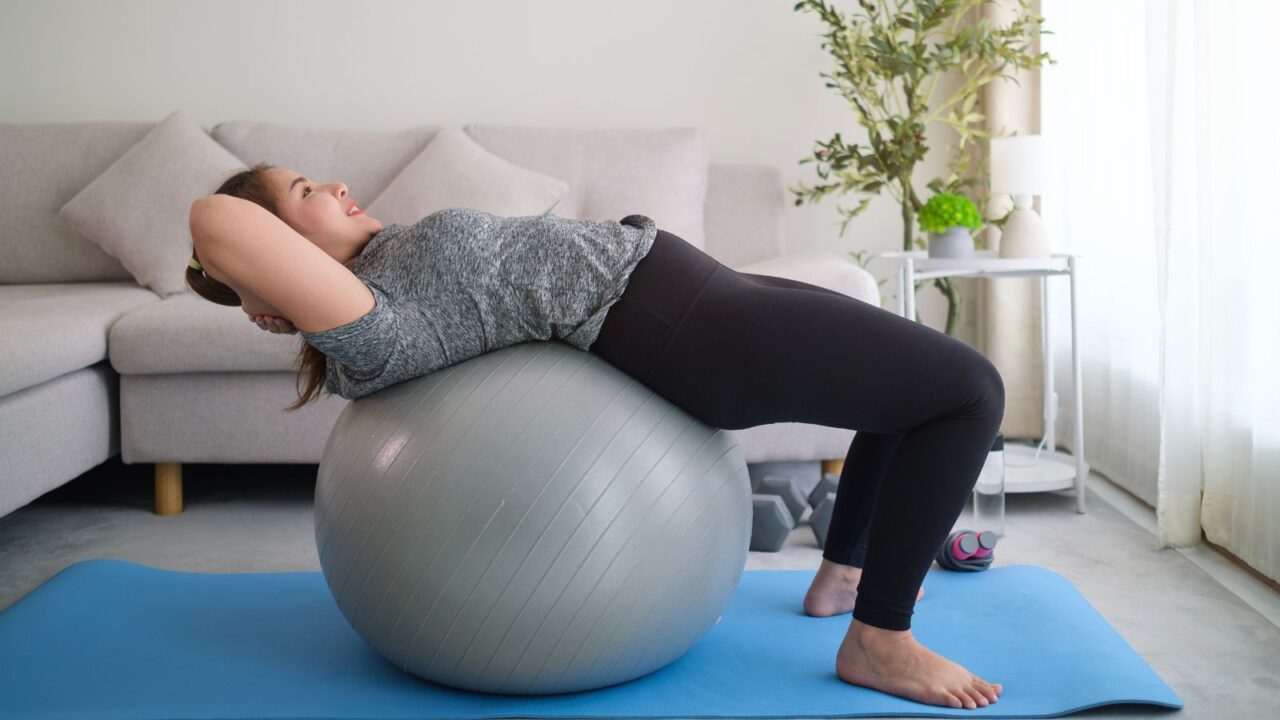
column 252, row 185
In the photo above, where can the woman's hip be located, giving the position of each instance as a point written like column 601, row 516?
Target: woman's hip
column 661, row 289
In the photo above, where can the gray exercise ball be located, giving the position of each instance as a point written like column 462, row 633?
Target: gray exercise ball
column 530, row 521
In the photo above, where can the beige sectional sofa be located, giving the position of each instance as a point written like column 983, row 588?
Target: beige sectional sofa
column 94, row 363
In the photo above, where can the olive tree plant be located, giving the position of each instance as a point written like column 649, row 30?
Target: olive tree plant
column 889, row 55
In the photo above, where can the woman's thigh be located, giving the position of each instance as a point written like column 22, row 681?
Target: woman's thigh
column 748, row 353
column 775, row 281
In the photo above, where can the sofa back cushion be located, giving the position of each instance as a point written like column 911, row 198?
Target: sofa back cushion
column 45, row 165
column 745, row 213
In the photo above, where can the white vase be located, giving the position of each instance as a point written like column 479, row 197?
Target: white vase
column 954, row 242
column 1023, row 235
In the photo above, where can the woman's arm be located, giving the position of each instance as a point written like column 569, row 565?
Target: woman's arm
column 252, row 304
column 257, row 252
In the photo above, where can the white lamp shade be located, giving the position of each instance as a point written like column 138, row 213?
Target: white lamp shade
column 1020, row 165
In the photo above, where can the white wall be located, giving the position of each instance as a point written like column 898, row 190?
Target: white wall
column 745, row 71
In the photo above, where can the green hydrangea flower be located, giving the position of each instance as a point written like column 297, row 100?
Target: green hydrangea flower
column 948, row 210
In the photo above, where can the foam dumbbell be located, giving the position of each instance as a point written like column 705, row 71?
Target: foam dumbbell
column 820, row 520
column 827, row 484
column 967, row 550
column 771, row 522
column 785, row 487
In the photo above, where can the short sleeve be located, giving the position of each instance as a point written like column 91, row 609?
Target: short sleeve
column 644, row 222
column 364, row 345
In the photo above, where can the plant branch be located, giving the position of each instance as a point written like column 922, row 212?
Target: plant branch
column 889, row 80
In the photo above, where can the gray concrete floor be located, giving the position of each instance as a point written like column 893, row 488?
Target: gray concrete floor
column 1200, row 622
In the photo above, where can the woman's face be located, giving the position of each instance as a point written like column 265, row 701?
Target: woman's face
column 319, row 212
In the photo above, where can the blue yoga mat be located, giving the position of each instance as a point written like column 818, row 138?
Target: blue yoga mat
column 108, row 639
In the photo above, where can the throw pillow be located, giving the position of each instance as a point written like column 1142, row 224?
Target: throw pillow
column 453, row 171
column 138, row 209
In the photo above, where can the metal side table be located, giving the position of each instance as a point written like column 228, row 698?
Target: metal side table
column 1053, row 470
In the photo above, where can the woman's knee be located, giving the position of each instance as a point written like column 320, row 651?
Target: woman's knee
column 991, row 387
column 983, row 384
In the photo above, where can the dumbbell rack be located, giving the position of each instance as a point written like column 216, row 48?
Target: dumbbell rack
column 1053, row 470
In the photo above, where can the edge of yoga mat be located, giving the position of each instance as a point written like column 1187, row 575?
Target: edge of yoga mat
column 146, row 642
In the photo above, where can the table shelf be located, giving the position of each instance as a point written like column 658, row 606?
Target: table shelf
column 1053, row 470
column 984, row 263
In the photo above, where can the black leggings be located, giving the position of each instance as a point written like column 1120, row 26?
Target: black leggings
column 738, row 350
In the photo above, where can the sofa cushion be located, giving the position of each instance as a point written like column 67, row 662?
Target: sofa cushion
column 45, row 165
column 138, row 209
column 51, row 329
column 366, row 160
column 185, row 333
column 746, row 206
column 614, row 172
column 454, row 171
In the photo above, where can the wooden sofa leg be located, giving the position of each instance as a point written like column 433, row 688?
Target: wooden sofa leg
column 168, row 488
column 833, row 466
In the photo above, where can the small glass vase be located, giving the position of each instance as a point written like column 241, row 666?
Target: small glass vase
column 984, row 506
column 954, row 242
column 988, row 491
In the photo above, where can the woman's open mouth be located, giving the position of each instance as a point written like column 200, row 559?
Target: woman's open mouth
column 355, row 211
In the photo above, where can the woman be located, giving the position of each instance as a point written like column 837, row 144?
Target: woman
column 379, row 305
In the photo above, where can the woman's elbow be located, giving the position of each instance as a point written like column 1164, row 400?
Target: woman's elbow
column 201, row 208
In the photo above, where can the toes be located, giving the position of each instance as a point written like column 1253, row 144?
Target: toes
column 958, row 699
column 977, row 696
column 985, row 688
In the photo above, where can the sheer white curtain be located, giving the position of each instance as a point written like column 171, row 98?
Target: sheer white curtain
column 1163, row 115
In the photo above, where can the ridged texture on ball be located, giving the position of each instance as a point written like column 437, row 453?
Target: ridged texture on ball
column 530, row 521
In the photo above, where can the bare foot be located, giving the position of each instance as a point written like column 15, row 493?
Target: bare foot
column 894, row 662
column 833, row 590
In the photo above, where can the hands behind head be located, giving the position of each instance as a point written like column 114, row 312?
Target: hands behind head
column 274, row 324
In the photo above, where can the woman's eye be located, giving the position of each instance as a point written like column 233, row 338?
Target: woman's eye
column 305, row 189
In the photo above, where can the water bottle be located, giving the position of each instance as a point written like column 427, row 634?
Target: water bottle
column 988, row 493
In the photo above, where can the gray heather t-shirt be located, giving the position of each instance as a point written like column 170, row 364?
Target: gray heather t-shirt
column 461, row 282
